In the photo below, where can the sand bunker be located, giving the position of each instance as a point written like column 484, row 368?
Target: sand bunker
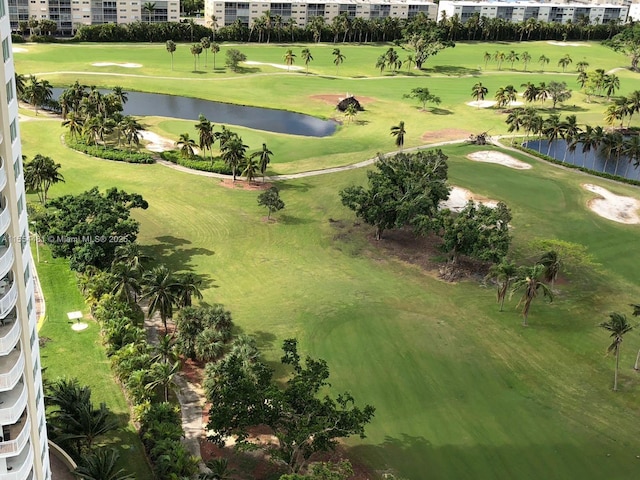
column 459, row 197
column 613, row 207
column 19, row 50
column 156, row 142
column 488, row 156
column 490, row 103
column 111, row 64
column 568, row 44
column 275, row 65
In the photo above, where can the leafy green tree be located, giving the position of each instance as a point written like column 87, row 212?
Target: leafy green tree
column 628, row 43
column 270, row 199
column 399, row 132
column 159, row 289
column 423, row 95
column 405, row 190
column 529, row 281
column 87, row 228
column 302, row 422
column 426, row 43
column 558, row 92
column 307, row 58
column 40, row 174
column 101, row 465
column 171, row 48
column 503, row 273
column 191, row 322
column 234, row 57
column 477, row 231
column 618, row 325
column 215, row 48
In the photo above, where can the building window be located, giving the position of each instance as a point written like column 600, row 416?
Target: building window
column 24, row 239
column 30, row 307
column 20, row 205
column 10, row 90
column 32, row 340
column 27, row 274
column 6, row 52
column 2, row 10
column 17, row 167
column 13, row 130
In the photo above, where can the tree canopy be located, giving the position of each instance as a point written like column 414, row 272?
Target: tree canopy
column 87, row 228
column 628, row 42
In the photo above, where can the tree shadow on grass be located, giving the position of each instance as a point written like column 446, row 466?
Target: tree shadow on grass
column 452, row 70
column 175, row 252
column 245, row 70
column 294, row 186
column 290, row 220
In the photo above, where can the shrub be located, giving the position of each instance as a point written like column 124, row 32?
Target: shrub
column 197, row 163
column 109, row 153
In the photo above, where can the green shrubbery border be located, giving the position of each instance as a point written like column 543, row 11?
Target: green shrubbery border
column 197, row 162
column 108, row 153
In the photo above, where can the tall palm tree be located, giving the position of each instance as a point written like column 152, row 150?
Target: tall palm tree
column 551, row 262
column 570, row 132
column 399, row 132
column 75, row 123
column 215, row 48
column 186, row 145
column 205, row 43
column 131, row 255
column 478, row 91
column 618, row 326
column 40, row 174
column 162, row 375
column 264, row 158
column 531, row 285
column 127, row 285
column 512, row 57
column 499, row 57
column 196, row 50
column 543, row 60
column 20, row 83
column 552, row 129
column 631, row 149
column 233, row 153
column 526, row 58
column 131, row 129
column 501, row 98
column 101, row 465
column 530, row 93
column 159, row 288
column 205, row 134
column 582, row 65
column 503, row 273
column 171, row 48
column 564, row 62
column 250, row 170
column 150, row 8
column 187, row 286
column 338, row 58
column 611, row 83
column 487, row 56
column 307, row 58
column 289, row 58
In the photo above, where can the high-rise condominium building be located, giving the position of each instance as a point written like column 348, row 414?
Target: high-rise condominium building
column 227, row 12
column 24, row 453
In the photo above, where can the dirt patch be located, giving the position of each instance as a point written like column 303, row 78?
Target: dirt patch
column 241, row 184
column 445, row 134
column 334, row 99
column 490, row 156
column 614, row 207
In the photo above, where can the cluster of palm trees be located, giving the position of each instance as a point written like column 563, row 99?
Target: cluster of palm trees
column 612, row 144
column 623, row 108
column 597, row 82
column 94, row 116
column 40, row 174
column 392, row 61
column 512, row 57
column 34, row 91
column 290, row 58
column 532, row 281
column 233, row 151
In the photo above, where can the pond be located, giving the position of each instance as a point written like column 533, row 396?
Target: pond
column 279, row 121
column 592, row 160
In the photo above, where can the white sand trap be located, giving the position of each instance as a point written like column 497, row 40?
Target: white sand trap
column 276, row 65
column 568, row 44
column 459, row 197
column 487, row 156
column 482, row 103
column 613, row 207
column 19, row 50
column 111, row 64
column 156, row 142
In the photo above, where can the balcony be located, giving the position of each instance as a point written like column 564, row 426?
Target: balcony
column 20, row 467
column 15, row 437
column 13, row 403
column 3, row 175
column 9, row 333
column 6, row 256
column 8, row 296
column 11, row 368
column 5, row 216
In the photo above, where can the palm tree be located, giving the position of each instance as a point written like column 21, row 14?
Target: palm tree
column 381, row 63
column 410, row 60
column 543, row 60
column 512, row 57
column 40, row 174
column 570, row 131
column 205, row 134
column 289, row 59
column 205, row 43
column 499, row 57
column 127, row 285
column 399, row 132
column 530, row 93
column 552, row 129
column 564, row 62
column 338, row 58
column 196, row 50
column 611, row 83
column 307, row 57
column 233, row 153
column 20, row 83
column 264, row 157
column 163, row 375
column 487, row 56
column 131, row 129
column 529, row 282
column 159, row 288
column 187, row 286
column 101, row 465
column 504, row 273
column 526, row 58
column 250, row 170
column 215, row 48
column 131, row 255
column 171, row 48
column 478, row 91
column 582, row 65
column 186, row 145
column 501, row 98
column 618, row 326
column 75, row 124
column 150, row 8
column 551, row 262
column 631, row 149
column 582, row 78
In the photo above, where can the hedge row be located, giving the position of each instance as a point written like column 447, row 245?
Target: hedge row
column 197, row 162
column 108, row 153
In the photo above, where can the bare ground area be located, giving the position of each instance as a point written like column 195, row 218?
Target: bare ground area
column 242, row 184
column 333, row 99
column 445, row 134
column 490, row 156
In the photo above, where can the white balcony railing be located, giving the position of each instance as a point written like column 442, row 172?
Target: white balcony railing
column 13, row 404
column 6, row 260
column 8, row 300
column 3, row 176
column 14, row 446
column 11, row 369
column 5, row 219
column 9, row 335
column 21, row 466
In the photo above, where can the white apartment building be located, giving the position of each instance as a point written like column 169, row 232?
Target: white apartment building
column 71, row 14
column 227, row 12
column 544, row 12
column 634, row 12
column 24, row 452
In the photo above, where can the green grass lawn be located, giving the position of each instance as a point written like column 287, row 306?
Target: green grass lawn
column 461, row 390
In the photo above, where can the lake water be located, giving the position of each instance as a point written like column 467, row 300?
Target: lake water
column 279, row 121
column 591, row 160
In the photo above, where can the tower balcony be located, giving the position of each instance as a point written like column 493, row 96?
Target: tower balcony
column 3, row 175
column 11, row 368
column 9, row 332
column 6, row 256
column 8, row 295
column 5, row 216
column 15, row 437
column 20, row 467
column 12, row 404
